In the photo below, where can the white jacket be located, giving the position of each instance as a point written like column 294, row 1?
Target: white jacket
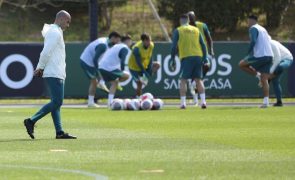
column 280, row 53
column 53, row 56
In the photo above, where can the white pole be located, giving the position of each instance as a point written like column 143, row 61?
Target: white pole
column 156, row 15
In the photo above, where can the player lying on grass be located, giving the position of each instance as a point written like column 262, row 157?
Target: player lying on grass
column 112, row 64
column 204, row 30
column 52, row 67
column 260, row 56
column 89, row 63
column 192, row 53
column 282, row 60
column 140, row 63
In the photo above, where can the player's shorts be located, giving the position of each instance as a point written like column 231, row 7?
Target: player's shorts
column 91, row 72
column 261, row 64
column 191, row 68
column 111, row 75
column 137, row 74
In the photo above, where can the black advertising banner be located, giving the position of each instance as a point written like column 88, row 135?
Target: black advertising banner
column 17, row 64
column 291, row 74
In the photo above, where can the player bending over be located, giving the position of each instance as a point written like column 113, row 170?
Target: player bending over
column 282, row 60
column 89, row 63
column 140, row 63
column 260, row 55
column 192, row 53
column 204, row 30
column 112, row 64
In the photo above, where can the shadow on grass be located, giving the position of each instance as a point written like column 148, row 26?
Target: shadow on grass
column 23, row 140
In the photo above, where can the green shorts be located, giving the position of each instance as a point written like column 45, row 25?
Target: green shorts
column 191, row 68
column 137, row 74
column 91, row 72
column 111, row 75
column 261, row 64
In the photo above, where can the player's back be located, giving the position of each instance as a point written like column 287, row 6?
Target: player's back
column 189, row 41
column 89, row 52
column 111, row 60
column 262, row 47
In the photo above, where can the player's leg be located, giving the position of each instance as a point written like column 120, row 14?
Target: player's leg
column 276, row 78
column 101, row 83
column 54, row 85
column 277, row 90
column 186, row 73
column 113, row 88
column 136, row 77
column 91, row 73
column 91, row 93
column 265, row 88
column 263, row 65
column 245, row 65
column 197, row 75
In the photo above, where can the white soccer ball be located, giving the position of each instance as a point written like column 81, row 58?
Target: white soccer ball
column 158, row 104
column 127, row 104
column 134, row 105
column 117, row 105
column 146, row 104
column 146, row 96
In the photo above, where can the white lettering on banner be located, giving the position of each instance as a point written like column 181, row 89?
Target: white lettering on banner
column 224, row 64
column 28, row 76
column 219, row 66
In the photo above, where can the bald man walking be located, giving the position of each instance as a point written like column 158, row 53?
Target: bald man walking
column 52, row 67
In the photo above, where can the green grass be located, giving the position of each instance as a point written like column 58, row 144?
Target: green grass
column 217, row 143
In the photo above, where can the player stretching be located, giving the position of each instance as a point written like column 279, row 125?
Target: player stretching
column 89, row 63
column 192, row 52
column 140, row 63
column 259, row 57
column 204, row 30
column 52, row 66
column 283, row 59
column 112, row 64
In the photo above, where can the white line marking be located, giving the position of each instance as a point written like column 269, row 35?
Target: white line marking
column 84, row 173
column 58, row 150
column 152, row 171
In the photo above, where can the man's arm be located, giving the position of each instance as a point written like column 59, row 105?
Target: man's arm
column 137, row 56
column 253, row 38
column 50, row 43
column 99, row 50
column 209, row 40
column 204, row 50
column 174, row 44
column 122, row 55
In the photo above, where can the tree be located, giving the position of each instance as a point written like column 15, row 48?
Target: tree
column 224, row 15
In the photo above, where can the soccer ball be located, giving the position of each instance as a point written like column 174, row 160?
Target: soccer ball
column 134, row 105
column 117, row 105
column 157, row 104
column 146, row 96
column 127, row 104
column 146, row 104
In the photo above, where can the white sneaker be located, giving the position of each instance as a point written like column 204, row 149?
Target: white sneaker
column 196, row 104
column 264, row 106
column 103, row 87
column 93, row 105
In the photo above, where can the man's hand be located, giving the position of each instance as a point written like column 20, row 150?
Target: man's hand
column 38, row 72
column 172, row 64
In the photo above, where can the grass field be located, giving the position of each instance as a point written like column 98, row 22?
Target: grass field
column 217, row 143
